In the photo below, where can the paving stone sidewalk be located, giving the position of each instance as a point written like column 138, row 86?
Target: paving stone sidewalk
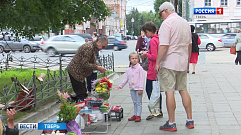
column 215, row 90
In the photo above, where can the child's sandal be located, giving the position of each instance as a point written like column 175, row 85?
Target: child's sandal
column 150, row 117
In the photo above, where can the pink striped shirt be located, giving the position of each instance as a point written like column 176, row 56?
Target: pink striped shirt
column 134, row 77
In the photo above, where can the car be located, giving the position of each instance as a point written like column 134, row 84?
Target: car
column 66, row 44
column 38, row 39
column 116, row 44
column 127, row 37
column 10, row 43
column 209, row 42
column 135, row 37
column 228, row 39
column 85, row 35
column 119, row 36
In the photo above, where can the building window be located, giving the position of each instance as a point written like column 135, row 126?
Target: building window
column 224, row 3
column 238, row 2
column 207, row 3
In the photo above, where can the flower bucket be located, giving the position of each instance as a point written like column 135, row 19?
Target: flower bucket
column 104, row 95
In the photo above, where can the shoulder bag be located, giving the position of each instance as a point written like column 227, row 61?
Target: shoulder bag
column 233, row 50
column 195, row 42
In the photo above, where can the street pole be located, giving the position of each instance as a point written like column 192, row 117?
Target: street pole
column 132, row 30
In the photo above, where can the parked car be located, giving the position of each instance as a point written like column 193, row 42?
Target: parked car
column 85, row 35
column 135, row 37
column 38, row 39
column 119, row 36
column 62, row 44
column 127, row 37
column 209, row 42
column 228, row 39
column 116, row 44
column 9, row 43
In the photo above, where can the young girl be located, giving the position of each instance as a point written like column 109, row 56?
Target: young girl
column 135, row 78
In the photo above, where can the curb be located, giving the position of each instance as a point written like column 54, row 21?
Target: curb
column 40, row 115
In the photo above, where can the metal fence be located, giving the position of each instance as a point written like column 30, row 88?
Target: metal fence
column 56, row 79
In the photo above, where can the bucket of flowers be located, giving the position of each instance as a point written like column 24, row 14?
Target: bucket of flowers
column 102, row 88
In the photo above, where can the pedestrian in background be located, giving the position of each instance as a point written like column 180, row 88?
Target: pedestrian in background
column 86, row 40
column 94, row 35
column 237, row 42
column 135, row 78
column 83, row 64
column 141, row 44
column 150, row 29
column 173, row 56
column 195, row 50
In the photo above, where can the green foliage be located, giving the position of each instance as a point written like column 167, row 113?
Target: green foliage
column 67, row 111
column 30, row 17
column 143, row 17
column 136, row 25
column 21, row 75
column 104, row 74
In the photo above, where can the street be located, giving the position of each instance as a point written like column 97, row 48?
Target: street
column 220, row 55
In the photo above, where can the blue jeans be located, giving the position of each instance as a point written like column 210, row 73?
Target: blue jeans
column 149, row 91
column 137, row 101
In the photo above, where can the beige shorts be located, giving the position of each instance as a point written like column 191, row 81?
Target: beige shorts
column 171, row 80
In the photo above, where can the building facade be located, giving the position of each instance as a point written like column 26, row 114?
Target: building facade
column 231, row 10
column 115, row 23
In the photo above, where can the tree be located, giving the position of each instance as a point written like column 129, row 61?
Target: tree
column 136, row 25
column 30, row 17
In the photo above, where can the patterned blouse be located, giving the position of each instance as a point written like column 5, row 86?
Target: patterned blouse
column 84, row 61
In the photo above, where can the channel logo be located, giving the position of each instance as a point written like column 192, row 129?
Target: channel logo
column 208, row 11
column 41, row 126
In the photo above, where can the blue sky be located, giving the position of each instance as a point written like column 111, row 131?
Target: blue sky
column 141, row 5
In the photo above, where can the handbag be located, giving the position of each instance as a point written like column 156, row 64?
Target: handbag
column 145, row 64
column 232, row 50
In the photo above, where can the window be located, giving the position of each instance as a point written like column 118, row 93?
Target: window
column 111, row 40
column 207, row 3
column 203, row 37
column 60, row 38
column 238, row 2
column 224, row 3
column 67, row 38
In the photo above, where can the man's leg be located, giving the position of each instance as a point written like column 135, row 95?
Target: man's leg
column 171, row 106
column 187, row 103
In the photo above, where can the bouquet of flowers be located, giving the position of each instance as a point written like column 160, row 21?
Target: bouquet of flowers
column 102, row 88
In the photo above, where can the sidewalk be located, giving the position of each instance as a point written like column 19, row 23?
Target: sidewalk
column 215, row 90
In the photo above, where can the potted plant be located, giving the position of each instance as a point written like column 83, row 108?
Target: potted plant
column 67, row 114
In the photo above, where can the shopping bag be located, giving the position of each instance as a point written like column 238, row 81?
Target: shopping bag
column 155, row 98
column 74, row 127
column 232, row 50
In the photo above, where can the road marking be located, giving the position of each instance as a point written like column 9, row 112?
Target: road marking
column 121, row 66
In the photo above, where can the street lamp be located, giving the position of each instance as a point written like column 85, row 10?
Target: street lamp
column 132, row 21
